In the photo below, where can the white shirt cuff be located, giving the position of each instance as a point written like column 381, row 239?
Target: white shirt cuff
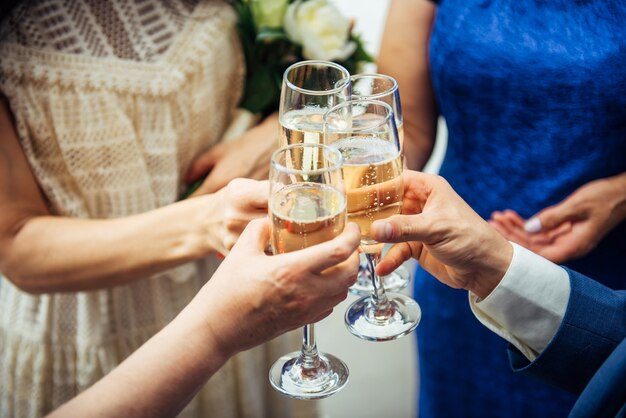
column 528, row 305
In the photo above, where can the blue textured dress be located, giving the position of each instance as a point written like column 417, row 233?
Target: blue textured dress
column 534, row 95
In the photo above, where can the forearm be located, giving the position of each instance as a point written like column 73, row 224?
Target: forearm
column 404, row 56
column 56, row 254
column 160, row 377
column 619, row 184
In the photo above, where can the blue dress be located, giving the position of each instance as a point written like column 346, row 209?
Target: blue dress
column 534, row 95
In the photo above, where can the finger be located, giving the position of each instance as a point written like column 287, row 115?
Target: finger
column 258, row 195
column 321, row 316
column 248, row 193
column 318, row 258
column 343, row 275
column 506, row 222
column 255, row 236
column 396, row 255
column 215, row 181
column 203, row 164
column 514, row 218
column 554, row 216
column 399, row 228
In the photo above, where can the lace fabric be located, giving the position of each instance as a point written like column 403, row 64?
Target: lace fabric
column 112, row 101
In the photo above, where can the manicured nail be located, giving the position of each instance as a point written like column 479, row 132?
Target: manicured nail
column 533, row 225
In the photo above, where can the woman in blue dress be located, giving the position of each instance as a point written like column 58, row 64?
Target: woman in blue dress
column 533, row 93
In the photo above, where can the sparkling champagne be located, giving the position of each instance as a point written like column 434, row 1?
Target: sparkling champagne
column 301, row 126
column 306, row 214
column 371, row 171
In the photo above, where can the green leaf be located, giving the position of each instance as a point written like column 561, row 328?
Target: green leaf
column 261, row 91
column 271, row 34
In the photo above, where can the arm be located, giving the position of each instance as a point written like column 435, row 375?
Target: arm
column 44, row 253
column 459, row 248
column 592, row 328
column 404, row 56
column 250, row 299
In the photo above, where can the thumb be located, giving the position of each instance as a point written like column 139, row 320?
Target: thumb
column 254, row 237
column 319, row 257
column 203, row 163
column 400, row 228
column 550, row 218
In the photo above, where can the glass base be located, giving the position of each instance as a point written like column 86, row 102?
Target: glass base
column 291, row 379
column 401, row 317
column 394, row 282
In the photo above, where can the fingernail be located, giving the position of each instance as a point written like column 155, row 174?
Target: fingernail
column 384, row 230
column 532, row 225
column 220, row 256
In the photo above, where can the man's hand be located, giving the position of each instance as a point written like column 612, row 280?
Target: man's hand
column 445, row 235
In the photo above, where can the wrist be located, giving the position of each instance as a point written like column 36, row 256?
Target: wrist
column 619, row 184
column 213, row 317
column 203, row 225
column 493, row 266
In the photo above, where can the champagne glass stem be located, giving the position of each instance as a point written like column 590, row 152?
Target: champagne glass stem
column 309, row 357
column 379, row 297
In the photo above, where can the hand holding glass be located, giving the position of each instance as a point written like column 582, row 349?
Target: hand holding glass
column 385, row 89
column 307, row 206
column 365, row 133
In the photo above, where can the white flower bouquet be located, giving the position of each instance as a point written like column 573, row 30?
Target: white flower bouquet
column 276, row 33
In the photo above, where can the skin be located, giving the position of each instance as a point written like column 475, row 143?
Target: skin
column 573, row 227
column 246, row 157
column 571, row 230
column 447, row 238
column 42, row 253
column 250, row 299
column 404, row 56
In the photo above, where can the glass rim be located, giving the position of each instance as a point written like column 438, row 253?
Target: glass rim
column 341, row 83
column 391, row 90
column 390, row 116
column 336, row 165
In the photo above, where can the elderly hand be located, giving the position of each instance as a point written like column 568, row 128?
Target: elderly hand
column 261, row 296
column 247, row 157
column 572, row 228
column 445, row 235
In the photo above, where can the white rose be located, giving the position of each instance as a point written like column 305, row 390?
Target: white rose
column 320, row 28
column 268, row 13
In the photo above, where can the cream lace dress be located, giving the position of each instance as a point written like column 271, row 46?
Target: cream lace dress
column 112, row 100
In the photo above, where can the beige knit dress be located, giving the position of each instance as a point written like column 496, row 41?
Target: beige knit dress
column 112, row 100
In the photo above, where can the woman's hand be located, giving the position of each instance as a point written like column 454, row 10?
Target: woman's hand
column 246, row 157
column 231, row 209
column 445, row 235
column 254, row 297
column 250, row 299
column 572, row 228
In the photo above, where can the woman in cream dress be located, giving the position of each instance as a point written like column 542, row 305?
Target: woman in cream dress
column 107, row 104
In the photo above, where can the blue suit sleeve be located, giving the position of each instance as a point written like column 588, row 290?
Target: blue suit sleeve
column 593, row 325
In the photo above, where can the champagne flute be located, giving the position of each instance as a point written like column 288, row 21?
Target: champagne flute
column 309, row 89
column 307, row 206
column 385, row 89
column 365, row 133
